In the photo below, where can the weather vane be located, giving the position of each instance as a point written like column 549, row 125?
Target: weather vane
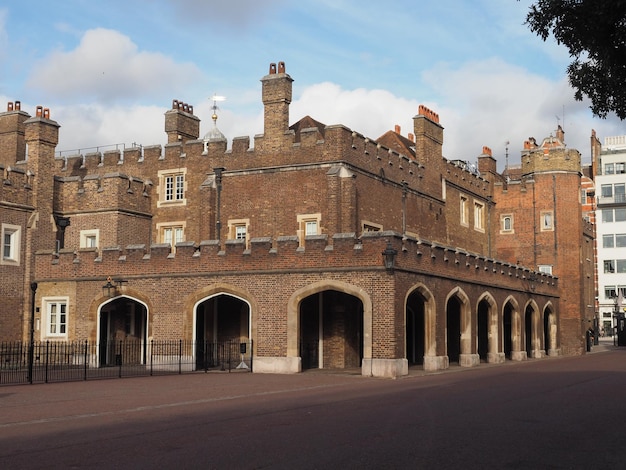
column 215, row 99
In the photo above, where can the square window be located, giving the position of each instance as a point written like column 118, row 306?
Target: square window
column 308, row 225
column 171, row 187
column 608, row 241
column 607, row 215
column 606, row 190
column 545, row 268
column 620, row 240
column 171, row 234
column 89, row 238
column 609, row 266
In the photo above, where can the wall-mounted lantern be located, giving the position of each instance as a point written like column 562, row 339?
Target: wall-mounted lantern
column 389, row 258
column 111, row 287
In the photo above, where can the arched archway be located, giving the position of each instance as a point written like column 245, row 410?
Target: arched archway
column 222, row 327
column 122, row 331
column 512, row 330
column 331, row 330
column 531, row 330
column 550, row 331
column 488, row 330
column 459, row 330
column 421, row 330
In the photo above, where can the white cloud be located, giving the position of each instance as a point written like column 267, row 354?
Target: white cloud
column 108, row 66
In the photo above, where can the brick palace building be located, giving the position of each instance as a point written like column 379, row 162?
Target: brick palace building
column 319, row 246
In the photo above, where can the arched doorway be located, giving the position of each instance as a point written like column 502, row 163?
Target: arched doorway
column 122, row 332
column 483, row 329
column 415, row 328
column 222, row 328
column 549, row 332
column 453, row 330
column 529, row 331
column 331, row 330
column 507, row 324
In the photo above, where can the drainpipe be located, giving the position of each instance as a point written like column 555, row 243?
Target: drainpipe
column 31, row 345
column 218, row 183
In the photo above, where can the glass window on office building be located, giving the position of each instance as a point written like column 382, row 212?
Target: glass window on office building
column 608, row 241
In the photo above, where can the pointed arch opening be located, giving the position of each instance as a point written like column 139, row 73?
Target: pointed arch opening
column 122, row 332
column 331, row 331
column 222, row 326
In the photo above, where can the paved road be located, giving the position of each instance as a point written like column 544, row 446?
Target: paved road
column 567, row 413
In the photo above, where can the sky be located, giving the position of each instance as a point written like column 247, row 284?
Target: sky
column 108, row 71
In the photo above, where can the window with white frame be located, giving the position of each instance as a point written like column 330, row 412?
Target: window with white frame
column 11, row 236
column 89, row 238
column 610, row 292
column 547, row 220
column 609, row 266
column 545, row 268
column 606, row 190
column 308, row 225
column 464, row 210
column 609, row 169
column 620, row 240
column 607, row 215
column 620, row 214
column 608, row 241
column 172, row 187
column 56, row 317
column 506, row 223
column 583, row 196
column 479, row 216
column 620, row 168
column 171, row 233
column 238, row 229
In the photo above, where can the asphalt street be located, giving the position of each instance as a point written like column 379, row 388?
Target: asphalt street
column 557, row 413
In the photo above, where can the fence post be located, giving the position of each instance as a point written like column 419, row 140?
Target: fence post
column 120, row 360
column 47, row 359
column 31, row 347
column 85, row 358
column 180, row 356
column 151, row 355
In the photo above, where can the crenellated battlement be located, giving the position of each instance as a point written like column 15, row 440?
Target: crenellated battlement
column 99, row 192
column 17, row 185
column 341, row 251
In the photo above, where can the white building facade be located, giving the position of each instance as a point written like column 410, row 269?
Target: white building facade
column 611, row 231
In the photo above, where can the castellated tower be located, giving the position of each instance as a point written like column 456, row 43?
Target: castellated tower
column 542, row 201
column 276, row 95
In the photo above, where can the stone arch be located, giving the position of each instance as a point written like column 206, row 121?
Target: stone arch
column 532, row 322
column 550, row 330
column 293, row 317
column 493, row 353
column 512, row 329
column 213, row 290
column 431, row 360
column 101, row 300
column 467, row 358
column 122, row 329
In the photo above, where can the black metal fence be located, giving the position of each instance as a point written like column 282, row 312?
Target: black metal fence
column 56, row 361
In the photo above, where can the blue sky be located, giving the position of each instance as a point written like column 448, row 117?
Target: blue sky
column 109, row 70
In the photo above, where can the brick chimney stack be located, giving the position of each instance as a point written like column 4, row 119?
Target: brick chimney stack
column 276, row 93
column 180, row 123
column 428, row 136
column 12, row 143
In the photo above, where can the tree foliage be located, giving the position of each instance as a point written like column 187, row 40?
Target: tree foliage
column 594, row 31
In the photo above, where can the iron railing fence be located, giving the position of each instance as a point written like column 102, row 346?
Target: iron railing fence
column 57, row 361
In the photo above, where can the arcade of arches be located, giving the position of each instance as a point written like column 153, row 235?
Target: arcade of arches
column 330, row 325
